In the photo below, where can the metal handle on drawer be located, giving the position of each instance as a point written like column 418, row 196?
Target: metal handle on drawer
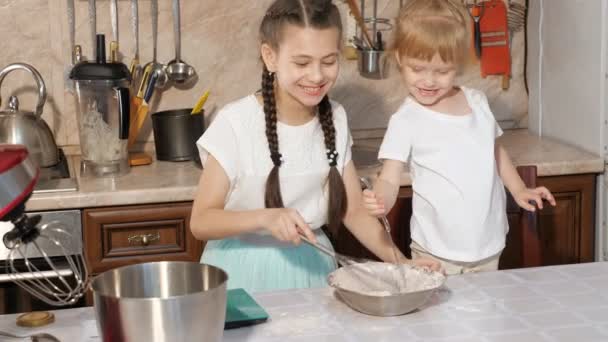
column 5, row 278
column 144, row 239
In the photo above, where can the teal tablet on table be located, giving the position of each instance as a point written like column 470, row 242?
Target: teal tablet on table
column 242, row 310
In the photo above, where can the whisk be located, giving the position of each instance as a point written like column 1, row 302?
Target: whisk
column 63, row 279
column 341, row 259
column 66, row 279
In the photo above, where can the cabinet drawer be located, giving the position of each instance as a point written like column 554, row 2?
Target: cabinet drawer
column 122, row 236
column 143, row 238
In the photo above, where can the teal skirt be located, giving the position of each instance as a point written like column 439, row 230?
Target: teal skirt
column 261, row 263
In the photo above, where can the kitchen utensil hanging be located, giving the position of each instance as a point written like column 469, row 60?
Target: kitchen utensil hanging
column 93, row 27
column 476, row 10
column 376, row 25
column 157, row 68
column 75, row 50
column 135, row 68
column 179, row 71
column 494, row 35
column 114, row 53
column 358, row 15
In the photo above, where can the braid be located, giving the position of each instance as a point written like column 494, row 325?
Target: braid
column 318, row 14
column 272, row 197
column 337, row 193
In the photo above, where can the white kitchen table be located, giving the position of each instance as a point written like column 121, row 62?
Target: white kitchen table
column 559, row 303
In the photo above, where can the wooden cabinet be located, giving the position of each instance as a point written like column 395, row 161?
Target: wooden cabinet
column 119, row 236
column 566, row 231
column 126, row 235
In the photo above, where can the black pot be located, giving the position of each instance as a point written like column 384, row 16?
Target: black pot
column 175, row 134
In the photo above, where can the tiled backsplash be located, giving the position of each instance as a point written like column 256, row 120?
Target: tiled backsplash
column 219, row 38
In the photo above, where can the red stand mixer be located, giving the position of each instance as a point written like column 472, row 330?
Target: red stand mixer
column 54, row 285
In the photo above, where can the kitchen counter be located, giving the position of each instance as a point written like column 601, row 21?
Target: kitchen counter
column 551, row 158
column 173, row 182
column 558, row 303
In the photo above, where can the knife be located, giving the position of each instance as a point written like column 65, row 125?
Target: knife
column 142, row 110
column 136, row 102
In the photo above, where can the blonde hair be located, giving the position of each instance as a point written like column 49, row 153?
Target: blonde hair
column 429, row 27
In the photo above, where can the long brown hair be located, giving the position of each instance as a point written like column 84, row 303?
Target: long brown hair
column 318, row 14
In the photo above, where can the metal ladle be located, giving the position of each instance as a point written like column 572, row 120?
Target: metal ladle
column 157, row 68
column 177, row 70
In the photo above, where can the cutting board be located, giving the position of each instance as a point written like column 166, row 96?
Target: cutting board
column 242, row 310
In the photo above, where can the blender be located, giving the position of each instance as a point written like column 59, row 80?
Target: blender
column 102, row 102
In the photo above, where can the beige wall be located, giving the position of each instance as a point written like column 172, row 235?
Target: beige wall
column 219, row 40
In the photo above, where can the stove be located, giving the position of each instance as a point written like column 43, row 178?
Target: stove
column 56, row 178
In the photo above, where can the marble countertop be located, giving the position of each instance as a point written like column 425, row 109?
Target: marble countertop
column 163, row 182
column 551, row 157
column 546, row 304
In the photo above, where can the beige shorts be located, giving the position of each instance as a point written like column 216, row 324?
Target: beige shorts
column 452, row 267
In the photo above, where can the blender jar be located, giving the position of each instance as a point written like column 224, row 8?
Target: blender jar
column 102, row 102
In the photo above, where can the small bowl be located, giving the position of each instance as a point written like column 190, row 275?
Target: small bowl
column 349, row 283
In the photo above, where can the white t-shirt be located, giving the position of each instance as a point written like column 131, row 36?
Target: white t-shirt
column 237, row 139
column 459, row 201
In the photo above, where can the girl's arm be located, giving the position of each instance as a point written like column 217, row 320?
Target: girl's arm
column 367, row 228
column 515, row 184
column 209, row 220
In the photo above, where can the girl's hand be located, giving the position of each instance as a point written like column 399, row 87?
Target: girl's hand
column 286, row 224
column 536, row 196
column 374, row 204
column 432, row 264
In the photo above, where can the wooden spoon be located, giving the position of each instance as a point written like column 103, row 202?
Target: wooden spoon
column 354, row 9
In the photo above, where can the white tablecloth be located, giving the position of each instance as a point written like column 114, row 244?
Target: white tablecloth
column 561, row 303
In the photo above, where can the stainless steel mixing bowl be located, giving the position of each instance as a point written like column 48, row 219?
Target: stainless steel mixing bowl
column 161, row 301
column 383, row 303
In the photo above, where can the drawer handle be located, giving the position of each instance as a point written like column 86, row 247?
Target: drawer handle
column 144, row 239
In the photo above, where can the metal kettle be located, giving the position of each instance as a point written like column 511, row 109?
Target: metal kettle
column 28, row 128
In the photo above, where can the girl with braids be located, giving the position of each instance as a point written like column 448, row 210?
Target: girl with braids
column 447, row 135
column 277, row 164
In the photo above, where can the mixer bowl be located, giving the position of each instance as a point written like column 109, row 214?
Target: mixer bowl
column 161, row 301
column 360, row 287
